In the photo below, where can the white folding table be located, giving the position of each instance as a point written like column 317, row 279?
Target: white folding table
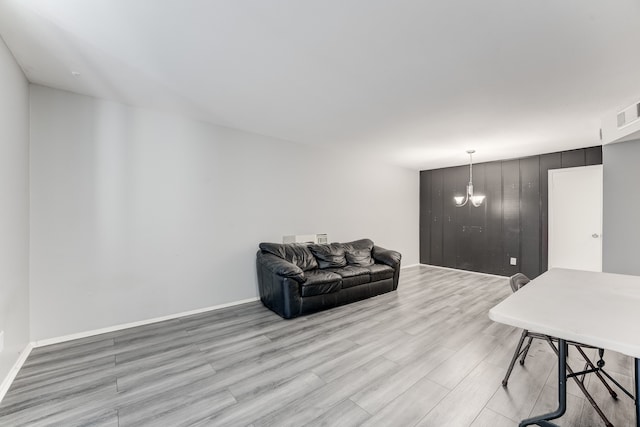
column 597, row 309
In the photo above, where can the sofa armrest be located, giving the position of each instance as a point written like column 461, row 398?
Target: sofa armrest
column 280, row 267
column 387, row 256
column 391, row 258
column 279, row 292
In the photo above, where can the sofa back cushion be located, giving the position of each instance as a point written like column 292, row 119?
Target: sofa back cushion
column 296, row 253
column 329, row 256
column 358, row 252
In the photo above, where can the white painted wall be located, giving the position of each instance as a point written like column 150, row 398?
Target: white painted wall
column 137, row 214
column 621, row 230
column 14, row 210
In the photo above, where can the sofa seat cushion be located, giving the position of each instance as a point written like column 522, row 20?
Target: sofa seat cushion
column 320, row 282
column 352, row 275
column 379, row 272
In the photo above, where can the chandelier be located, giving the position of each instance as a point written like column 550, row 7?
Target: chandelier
column 475, row 200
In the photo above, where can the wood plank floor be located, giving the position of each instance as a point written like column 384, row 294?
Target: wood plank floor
column 426, row 355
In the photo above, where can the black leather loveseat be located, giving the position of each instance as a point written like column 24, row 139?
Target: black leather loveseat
column 300, row 278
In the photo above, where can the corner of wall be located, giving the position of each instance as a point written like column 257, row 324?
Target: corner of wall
column 14, row 218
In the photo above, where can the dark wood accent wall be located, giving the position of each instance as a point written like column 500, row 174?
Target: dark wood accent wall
column 512, row 222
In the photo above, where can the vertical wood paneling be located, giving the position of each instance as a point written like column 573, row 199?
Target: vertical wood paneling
column 492, row 262
column 449, row 211
column 510, row 215
column 573, row 158
column 513, row 221
column 425, row 217
column 463, row 244
column 436, row 216
column 593, row 156
column 477, row 221
column 547, row 162
column 530, row 216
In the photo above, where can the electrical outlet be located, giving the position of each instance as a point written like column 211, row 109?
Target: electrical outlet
column 514, row 261
column 1, row 341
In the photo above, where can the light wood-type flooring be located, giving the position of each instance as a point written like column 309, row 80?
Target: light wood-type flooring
column 426, row 355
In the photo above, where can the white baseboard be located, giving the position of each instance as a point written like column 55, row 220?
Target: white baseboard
column 409, row 266
column 6, row 383
column 56, row 340
column 466, row 271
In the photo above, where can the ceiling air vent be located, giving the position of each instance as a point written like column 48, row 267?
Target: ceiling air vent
column 628, row 115
column 621, row 124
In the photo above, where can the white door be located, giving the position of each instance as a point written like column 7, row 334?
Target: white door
column 575, row 218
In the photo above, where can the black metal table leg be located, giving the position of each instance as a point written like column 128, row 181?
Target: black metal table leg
column 637, row 393
column 543, row 420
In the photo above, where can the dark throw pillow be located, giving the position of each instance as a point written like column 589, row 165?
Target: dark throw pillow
column 358, row 253
column 296, row 253
column 329, row 256
column 359, row 258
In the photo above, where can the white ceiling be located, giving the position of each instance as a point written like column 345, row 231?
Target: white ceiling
column 415, row 83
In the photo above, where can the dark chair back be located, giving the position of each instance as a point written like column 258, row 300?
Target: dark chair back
column 517, row 281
